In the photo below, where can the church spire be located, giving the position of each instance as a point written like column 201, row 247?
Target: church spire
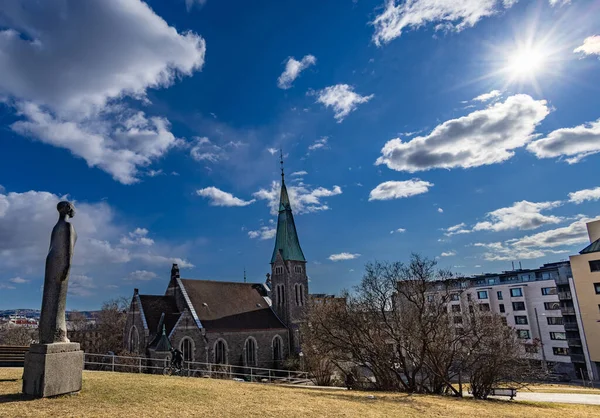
column 286, row 239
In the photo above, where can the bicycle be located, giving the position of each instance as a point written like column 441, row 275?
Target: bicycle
column 171, row 370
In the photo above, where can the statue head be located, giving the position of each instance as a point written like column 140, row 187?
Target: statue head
column 66, row 208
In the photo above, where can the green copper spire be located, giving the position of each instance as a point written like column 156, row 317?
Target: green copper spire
column 286, row 240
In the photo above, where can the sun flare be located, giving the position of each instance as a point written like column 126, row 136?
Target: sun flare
column 526, row 62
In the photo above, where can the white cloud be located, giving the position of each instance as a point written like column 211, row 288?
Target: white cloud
column 265, row 232
column 189, row 4
column 81, row 285
column 293, row 68
column 576, row 143
column 591, row 46
column 320, row 143
column 482, row 137
column 141, row 275
column 68, row 97
column 343, row 256
column 161, row 260
column 456, row 230
column 137, row 237
column 399, row 189
column 448, row 254
column 299, row 173
column 342, row 99
column 581, row 196
column 398, row 231
column 304, row 199
column 272, row 151
column 440, row 210
column 7, row 286
column 521, row 215
column 220, row 198
column 18, row 280
column 204, row 150
column 445, row 14
column 487, row 96
column 538, row 245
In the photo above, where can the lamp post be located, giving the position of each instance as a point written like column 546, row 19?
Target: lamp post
column 537, row 320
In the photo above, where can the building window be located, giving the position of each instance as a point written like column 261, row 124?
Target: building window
column 250, row 352
column 458, row 320
column 518, row 306
column 530, row 348
column 280, row 294
column 454, row 296
column 187, row 348
column 220, row 352
column 484, row 307
column 594, row 265
column 551, row 306
column 456, row 308
column 558, row 335
column 597, row 288
column 277, row 349
column 517, row 292
column 501, row 306
column 298, row 269
column 482, row 294
column 545, row 276
column 499, row 293
column 279, row 270
column 560, row 351
column 520, row 320
column 523, row 334
column 548, row 290
column 134, row 339
column 555, row 320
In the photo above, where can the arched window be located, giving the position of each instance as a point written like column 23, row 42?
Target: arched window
column 250, row 352
column 187, row 348
column 220, row 352
column 299, row 291
column 277, row 349
column 298, row 269
column 297, row 295
column 134, row 340
column 280, row 294
column 279, row 270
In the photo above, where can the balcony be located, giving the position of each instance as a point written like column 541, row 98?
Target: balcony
column 565, row 296
column 577, row 358
column 567, row 311
column 574, row 342
column 571, row 326
column 561, row 280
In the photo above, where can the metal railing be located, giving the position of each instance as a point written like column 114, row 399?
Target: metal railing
column 565, row 296
column 106, row 362
column 567, row 311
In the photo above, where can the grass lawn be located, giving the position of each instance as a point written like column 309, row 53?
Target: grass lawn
column 133, row 395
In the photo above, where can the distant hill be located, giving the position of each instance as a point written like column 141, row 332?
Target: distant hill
column 35, row 313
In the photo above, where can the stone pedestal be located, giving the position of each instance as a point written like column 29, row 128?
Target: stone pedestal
column 52, row 369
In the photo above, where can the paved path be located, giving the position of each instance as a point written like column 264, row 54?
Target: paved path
column 583, row 398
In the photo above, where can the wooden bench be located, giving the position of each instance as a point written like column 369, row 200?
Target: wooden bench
column 512, row 392
column 12, row 356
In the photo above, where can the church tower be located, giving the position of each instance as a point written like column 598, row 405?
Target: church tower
column 289, row 282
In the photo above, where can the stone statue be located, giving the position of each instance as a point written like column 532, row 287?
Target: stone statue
column 53, row 327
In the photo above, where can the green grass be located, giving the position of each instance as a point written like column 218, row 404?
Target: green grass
column 135, row 395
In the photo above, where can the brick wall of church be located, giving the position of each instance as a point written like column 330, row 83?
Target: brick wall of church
column 134, row 318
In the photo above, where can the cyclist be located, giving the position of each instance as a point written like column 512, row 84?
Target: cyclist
column 176, row 358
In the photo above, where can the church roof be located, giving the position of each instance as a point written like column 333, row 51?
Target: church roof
column 161, row 341
column 231, row 306
column 154, row 307
column 594, row 247
column 286, row 239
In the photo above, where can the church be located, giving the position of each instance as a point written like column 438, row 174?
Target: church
column 235, row 323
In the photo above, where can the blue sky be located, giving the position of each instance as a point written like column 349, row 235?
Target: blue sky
column 469, row 133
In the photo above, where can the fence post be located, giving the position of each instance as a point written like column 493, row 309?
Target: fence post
column 251, row 374
column 113, row 363
column 210, row 370
column 289, row 375
column 269, row 375
column 140, row 365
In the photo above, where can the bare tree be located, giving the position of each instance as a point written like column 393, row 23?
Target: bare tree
column 110, row 323
column 78, row 321
column 20, row 336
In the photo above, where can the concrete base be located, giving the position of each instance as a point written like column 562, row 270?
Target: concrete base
column 52, row 369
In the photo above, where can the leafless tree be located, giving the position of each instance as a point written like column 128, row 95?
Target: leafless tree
column 19, row 336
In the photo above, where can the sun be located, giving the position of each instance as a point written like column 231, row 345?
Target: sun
column 526, row 62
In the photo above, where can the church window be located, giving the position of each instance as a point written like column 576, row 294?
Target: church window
column 187, row 348
column 220, row 352
column 279, row 270
column 277, row 349
column 298, row 269
column 301, row 291
column 134, row 339
column 250, row 352
column 296, row 288
column 280, row 295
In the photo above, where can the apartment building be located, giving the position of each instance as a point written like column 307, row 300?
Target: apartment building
column 539, row 305
column 586, row 283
